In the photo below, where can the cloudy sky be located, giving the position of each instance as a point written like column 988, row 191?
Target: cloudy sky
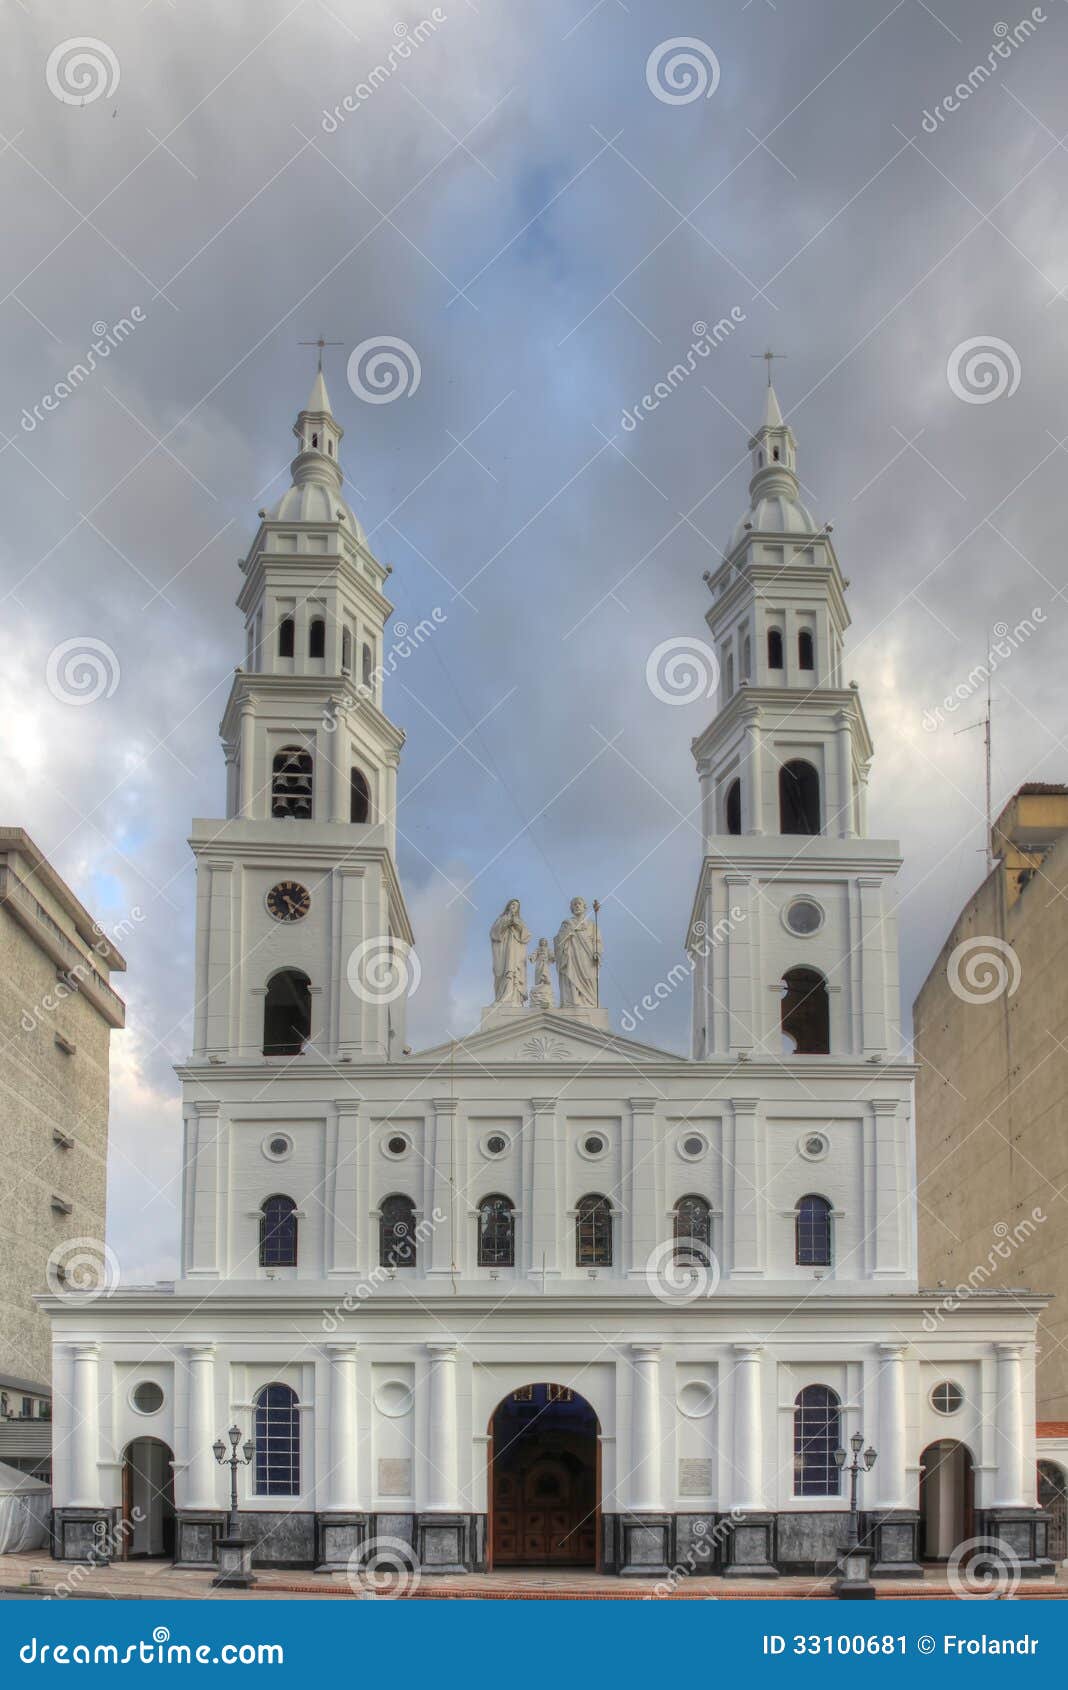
column 518, row 202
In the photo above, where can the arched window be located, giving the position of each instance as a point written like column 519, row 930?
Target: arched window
column 277, row 1439
column 593, row 1232
column 278, row 1232
column 693, row 1231
column 346, row 651
column 799, row 798
column 397, row 1247
column 291, row 783
column 774, row 648
column 367, row 662
column 286, row 635
column 317, row 638
column 359, row 798
column 287, row 1013
column 734, row 807
column 805, row 1016
column 315, row 441
column 806, row 650
column 496, row 1232
column 812, row 1232
column 817, row 1434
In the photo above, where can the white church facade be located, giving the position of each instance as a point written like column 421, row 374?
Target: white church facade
column 545, row 1295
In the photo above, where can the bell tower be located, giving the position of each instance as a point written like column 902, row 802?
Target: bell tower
column 792, row 938
column 302, row 932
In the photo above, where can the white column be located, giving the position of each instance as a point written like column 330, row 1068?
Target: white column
column 442, row 1487
column 85, row 1433
column 889, row 1476
column 645, row 1224
column 748, row 1427
column 740, row 988
column 646, row 1492
column 748, row 1204
column 201, row 1467
column 843, row 824
column 247, row 760
column 339, row 761
column 342, row 1483
column 442, row 1192
column 753, row 777
column 544, row 1205
column 348, row 1225
column 1009, row 1429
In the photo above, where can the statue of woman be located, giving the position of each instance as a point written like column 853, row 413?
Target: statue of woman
column 509, row 937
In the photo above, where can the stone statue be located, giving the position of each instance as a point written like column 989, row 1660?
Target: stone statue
column 578, row 955
column 509, row 937
column 542, row 958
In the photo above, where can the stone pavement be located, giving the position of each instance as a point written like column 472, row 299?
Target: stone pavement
column 159, row 1581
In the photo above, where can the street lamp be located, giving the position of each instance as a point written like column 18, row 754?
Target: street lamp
column 860, row 1463
column 856, row 1556
column 235, row 1558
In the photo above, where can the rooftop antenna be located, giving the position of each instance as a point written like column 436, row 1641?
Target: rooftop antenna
column 768, row 355
column 984, row 723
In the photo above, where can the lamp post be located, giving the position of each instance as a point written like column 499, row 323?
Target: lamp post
column 856, row 1556
column 235, row 1556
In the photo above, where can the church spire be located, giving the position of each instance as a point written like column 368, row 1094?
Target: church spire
column 319, row 434
column 774, row 452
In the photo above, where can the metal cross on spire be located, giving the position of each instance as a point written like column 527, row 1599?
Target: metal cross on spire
column 320, row 343
column 768, row 356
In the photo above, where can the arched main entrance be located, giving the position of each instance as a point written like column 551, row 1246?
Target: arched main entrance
column 1053, row 1497
column 947, row 1498
column 147, row 1500
column 544, row 1479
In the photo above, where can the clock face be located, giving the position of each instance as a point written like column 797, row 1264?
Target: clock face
column 289, row 901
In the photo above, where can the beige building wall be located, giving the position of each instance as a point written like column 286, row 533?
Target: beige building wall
column 57, row 1011
column 991, row 1030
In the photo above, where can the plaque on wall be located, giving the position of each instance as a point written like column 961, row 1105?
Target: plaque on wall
column 695, row 1477
column 394, row 1477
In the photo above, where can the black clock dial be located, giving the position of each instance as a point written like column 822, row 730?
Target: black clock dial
column 289, row 901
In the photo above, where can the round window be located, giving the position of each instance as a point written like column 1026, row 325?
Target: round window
column 947, row 1397
column 397, row 1145
column 693, row 1145
column 147, row 1397
column 277, row 1146
column 804, row 917
column 496, row 1145
column 594, row 1145
column 814, row 1146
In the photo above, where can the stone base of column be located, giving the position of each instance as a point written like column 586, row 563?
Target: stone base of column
column 88, row 1535
column 893, row 1536
column 196, row 1537
column 450, row 1543
column 338, row 1537
column 645, row 1545
column 1025, row 1534
column 749, row 1549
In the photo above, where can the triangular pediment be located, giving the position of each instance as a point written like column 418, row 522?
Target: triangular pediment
column 550, row 1037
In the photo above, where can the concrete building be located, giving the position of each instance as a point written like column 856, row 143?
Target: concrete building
column 544, row 1294
column 57, row 1010
column 991, row 1030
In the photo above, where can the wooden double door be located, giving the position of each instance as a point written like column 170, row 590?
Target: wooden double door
column 544, row 1517
column 543, row 1480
